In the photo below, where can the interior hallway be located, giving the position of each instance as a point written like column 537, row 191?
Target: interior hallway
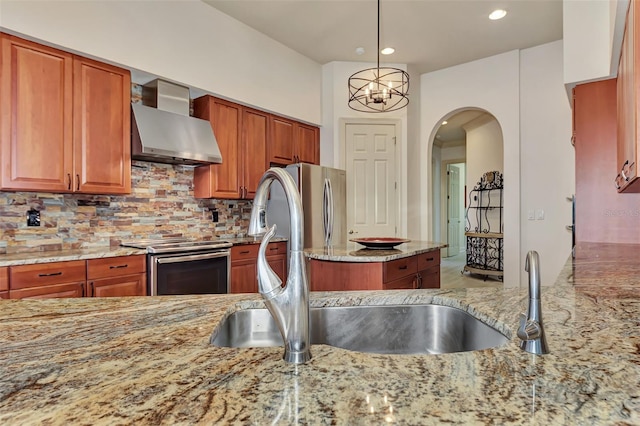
column 450, row 276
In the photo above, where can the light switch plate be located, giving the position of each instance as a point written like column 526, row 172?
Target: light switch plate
column 531, row 215
column 539, row 214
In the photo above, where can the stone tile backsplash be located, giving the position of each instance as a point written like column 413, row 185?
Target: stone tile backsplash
column 161, row 204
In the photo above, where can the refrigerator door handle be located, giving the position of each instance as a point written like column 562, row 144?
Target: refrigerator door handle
column 327, row 212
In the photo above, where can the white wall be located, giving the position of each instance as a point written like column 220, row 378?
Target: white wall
column 491, row 84
column 486, row 154
column 484, row 149
column 592, row 34
column 335, row 96
column 184, row 41
column 547, row 173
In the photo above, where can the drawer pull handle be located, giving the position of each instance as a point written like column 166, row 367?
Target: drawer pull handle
column 245, row 252
column 429, row 259
column 52, row 274
column 403, row 267
column 118, row 266
column 273, row 248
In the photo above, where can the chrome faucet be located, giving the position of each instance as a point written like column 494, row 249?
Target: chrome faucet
column 531, row 330
column 289, row 305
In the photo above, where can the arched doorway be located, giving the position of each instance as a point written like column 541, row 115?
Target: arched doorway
column 466, row 144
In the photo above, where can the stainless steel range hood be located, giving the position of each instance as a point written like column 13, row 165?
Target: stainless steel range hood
column 162, row 130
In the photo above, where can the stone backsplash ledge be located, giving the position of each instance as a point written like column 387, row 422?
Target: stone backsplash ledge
column 161, row 205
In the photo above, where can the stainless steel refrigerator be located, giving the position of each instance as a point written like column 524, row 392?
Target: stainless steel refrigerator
column 324, row 196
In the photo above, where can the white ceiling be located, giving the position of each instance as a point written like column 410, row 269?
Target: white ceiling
column 427, row 34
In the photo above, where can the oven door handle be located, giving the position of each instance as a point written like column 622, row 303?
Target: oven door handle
column 176, row 259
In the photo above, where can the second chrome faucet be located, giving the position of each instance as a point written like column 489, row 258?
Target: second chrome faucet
column 531, row 330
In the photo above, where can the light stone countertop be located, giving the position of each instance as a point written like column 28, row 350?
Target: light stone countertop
column 148, row 360
column 354, row 252
column 15, row 259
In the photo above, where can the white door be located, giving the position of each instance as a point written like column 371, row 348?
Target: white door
column 454, row 218
column 371, row 180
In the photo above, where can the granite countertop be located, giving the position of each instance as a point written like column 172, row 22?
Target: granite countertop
column 354, row 252
column 15, row 259
column 149, row 361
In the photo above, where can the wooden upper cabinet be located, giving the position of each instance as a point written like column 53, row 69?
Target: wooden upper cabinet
column 242, row 135
column 293, row 142
column 307, row 144
column 281, row 140
column 628, row 84
column 65, row 122
column 255, row 134
column 102, row 123
column 36, row 116
column 220, row 180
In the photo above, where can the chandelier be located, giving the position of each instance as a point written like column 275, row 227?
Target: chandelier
column 379, row 89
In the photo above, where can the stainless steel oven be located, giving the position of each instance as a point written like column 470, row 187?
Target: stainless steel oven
column 186, row 267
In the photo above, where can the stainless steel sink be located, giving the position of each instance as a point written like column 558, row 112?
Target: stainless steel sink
column 386, row 329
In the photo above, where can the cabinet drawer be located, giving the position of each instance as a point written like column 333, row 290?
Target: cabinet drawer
column 43, row 274
column 428, row 259
column 276, row 249
column 115, row 266
column 246, row 251
column 396, row 269
column 409, row 282
column 4, row 278
column 430, row 278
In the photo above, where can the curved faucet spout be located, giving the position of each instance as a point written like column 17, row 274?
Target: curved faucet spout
column 289, row 305
column 531, row 330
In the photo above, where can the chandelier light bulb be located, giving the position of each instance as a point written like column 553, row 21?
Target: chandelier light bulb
column 497, row 14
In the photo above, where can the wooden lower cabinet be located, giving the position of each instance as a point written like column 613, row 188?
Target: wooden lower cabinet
column 413, row 272
column 117, row 276
column 50, row 291
column 104, row 277
column 4, row 282
column 244, row 259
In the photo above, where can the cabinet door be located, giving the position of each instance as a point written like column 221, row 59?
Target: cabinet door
column 430, row 278
column 243, row 276
column 50, row 291
column 36, row 133
column 255, row 126
column 220, row 180
column 307, row 144
column 102, row 128
column 281, row 140
column 128, row 285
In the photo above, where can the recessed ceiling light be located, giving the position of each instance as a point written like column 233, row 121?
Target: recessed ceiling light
column 444, row 122
column 497, row 14
column 360, row 51
column 387, row 50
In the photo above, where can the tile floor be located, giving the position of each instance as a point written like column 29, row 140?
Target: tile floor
column 450, row 276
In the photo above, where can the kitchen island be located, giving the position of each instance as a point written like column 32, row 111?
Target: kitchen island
column 149, row 361
column 351, row 266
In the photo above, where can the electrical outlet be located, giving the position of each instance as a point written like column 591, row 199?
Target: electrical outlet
column 33, row 218
column 214, row 216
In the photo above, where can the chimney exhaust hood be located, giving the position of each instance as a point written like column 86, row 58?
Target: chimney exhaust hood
column 162, row 130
